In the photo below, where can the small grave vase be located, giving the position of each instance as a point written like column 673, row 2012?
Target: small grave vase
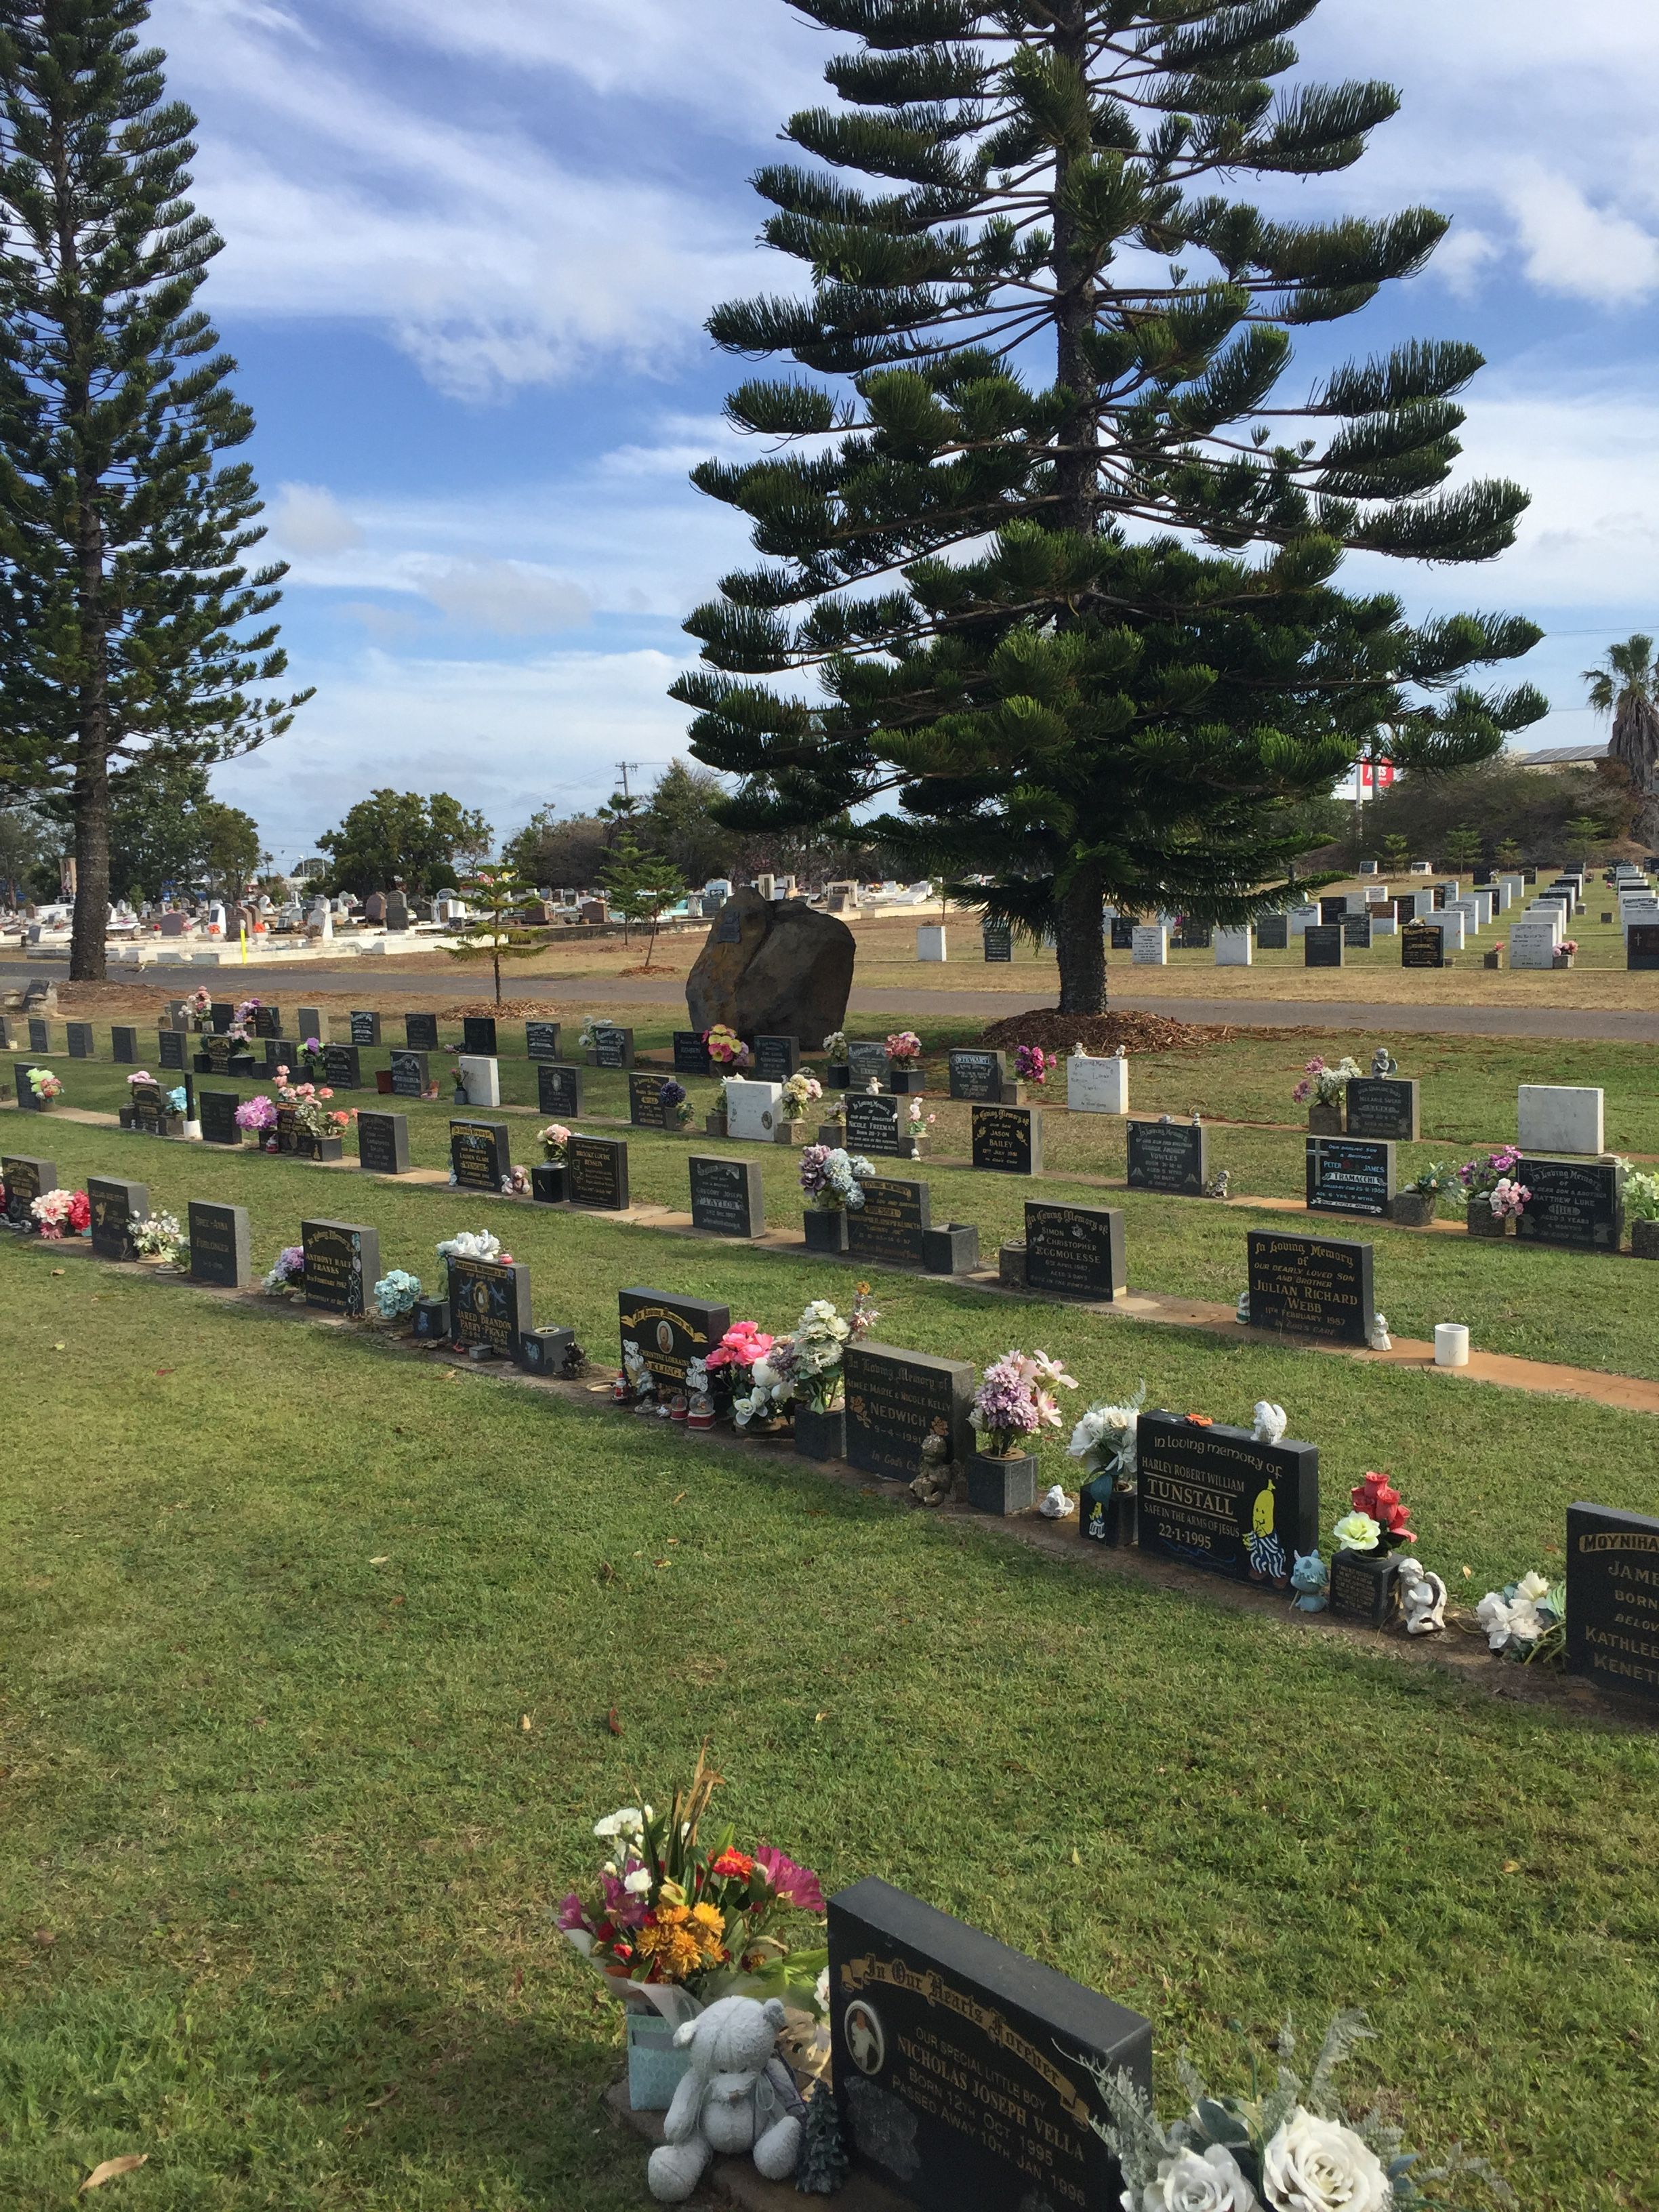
column 383, row 1081
column 997, row 1485
column 825, row 1229
column 1562, row 960
column 1413, row 1209
column 1010, row 1265
column 904, row 1076
column 1325, row 1120
column 1645, row 1240
column 549, row 1183
column 820, row 1435
column 328, row 1148
column 1483, row 1222
column 836, row 1075
column 1106, row 1514
column 1365, row 1586
column 713, row 1125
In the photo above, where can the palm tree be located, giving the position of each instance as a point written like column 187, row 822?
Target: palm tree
column 1624, row 686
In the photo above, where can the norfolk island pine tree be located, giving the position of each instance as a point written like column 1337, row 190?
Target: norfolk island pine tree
column 1060, row 558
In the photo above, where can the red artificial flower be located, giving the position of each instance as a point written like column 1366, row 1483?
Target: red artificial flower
column 733, row 1865
column 1377, row 1496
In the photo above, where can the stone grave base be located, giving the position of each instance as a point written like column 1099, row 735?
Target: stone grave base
column 735, row 2181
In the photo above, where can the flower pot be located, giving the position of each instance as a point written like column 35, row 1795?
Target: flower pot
column 904, row 1076
column 713, row 1125
column 831, row 1134
column 1325, row 1120
column 1365, row 1586
column 383, row 1081
column 792, row 1132
column 655, row 2068
column 825, row 1228
column 429, row 1320
column 328, row 1148
column 548, row 1183
column 1002, row 1486
column 1562, row 960
column 1105, row 1514
column 1483, row 1222
column 821, row 1436
column 836, row 1076
column 1645, row 1240
column 1413, row 1209
column 1010, row 1265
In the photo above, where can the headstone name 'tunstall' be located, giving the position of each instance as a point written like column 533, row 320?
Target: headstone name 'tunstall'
column 1217, row 1497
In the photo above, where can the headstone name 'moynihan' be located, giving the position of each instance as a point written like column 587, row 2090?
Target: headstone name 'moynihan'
column 1350, row 1174
column 1007, row 1139
column 411, row 1074
column 1168, row 1156
column 1219, row 1497
column 383, row 1143
column 670, row 1331
column 115, row 1206
column 489, row 1304
column 1075, row 1251
column 1612, row 1599
column 979, row 1075
column 1311, row 1286
column 1384, row 1106
column 962, row 2068
column 1573, row 1202
column 26, row 1178
column 728, row 1197
column 341, row 1264
column 896, row 1400
column 559, row 1089
column 596, row 1174
column 480, row 1154
column 220, row 1245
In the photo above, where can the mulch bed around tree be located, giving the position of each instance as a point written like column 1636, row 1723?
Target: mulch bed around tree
column 1102, row 1033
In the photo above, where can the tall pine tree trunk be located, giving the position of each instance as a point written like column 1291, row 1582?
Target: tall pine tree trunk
column 91, row 792
column 1078, row 942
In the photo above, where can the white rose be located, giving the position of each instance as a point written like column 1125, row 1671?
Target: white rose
column 1493, row 1614
column 1194, row 2181
column 1531, row 1587
column 1315, row 2165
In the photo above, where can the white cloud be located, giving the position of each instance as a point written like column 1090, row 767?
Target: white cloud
column 307, row 518
column 510, row 597
column 1582, row 251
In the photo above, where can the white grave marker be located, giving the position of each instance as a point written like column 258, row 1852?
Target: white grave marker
column 753, row 1110
column 1096, row 1087
column 930, row 941
column 480, row 1078
column 1233, row 948
column 1559, row 1117
column 1151, row 948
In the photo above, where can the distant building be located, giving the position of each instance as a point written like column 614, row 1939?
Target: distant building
column 1557, row 757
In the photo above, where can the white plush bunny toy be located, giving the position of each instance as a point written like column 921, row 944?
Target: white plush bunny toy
column 738, row 2097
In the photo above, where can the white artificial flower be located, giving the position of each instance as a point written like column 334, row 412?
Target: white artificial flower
column 1494, row 1616
column 626, row 1822
column 1198, row 2181
column 1315, row 2166
column 1531, row 1587
column 638, row 1884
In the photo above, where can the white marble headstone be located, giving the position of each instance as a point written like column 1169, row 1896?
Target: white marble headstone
column 1151, row 948
column 1097, row 1086
column 1449, row 922
column 753, row 1110
column 1532, row 944
column 1559, row 1117
column 482, row 1078
column 1233, row 948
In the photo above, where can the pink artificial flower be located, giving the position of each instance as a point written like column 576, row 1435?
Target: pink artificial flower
column 325, row 1092
column 573, row 1913
column 795, row 1884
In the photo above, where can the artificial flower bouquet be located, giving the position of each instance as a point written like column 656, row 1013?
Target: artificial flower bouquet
column 198, row 1008
column 288, row 1278
column 313, row 1115
column 556, row 1143
column 1526, row 1621
column 1481, row 1178
column 45, row 1085
column 1379, row 1522
column 676, row 1108
column 474, row 1244
column 1015, row 1401
column 1033, row 1065
column 1104, row 1440
column 397, row 1294
column 258, row 1116
column 821, row 1337
column 725, row 1048
column 831, row 1178
column 677, row 1919
column 1289, row 2145
column 1325, row 1084
column 834, row 1048
column 903, row 1048
column 800, row 1090
column 60, row 1214
column 162, row 1237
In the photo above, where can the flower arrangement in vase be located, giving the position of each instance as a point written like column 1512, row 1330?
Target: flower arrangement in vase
column 1324, row 1089
column 731, row 1363
column 1012, row 1406
column 1377, row 1526
column 60, row 1214
column 725, row 1048
column 800, row 1090
column 1488, row 1213
column 816, row 1371
column 1104, row 1440
column 161, row 1237
column 198, row 1009
column 320, row 1126
column 257, row 1116
column 677, row 1108
column 831, row 1181
column 396, row 1295
column 288, row 1278
column 43, row 1087
column 1032, row 1063
column 904, row 1061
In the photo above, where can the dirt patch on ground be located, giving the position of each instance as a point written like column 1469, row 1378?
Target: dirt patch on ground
column 1102, row 1033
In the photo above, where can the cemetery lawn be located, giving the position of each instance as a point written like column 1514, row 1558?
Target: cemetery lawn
column 313, row 1646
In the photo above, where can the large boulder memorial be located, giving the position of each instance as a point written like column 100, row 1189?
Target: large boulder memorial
column 773, row 967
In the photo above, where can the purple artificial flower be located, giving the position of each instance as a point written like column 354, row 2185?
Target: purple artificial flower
column 795, row 1884
column 573, row 1913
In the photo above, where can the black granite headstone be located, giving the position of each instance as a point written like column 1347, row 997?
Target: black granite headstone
column 1214, row 1497
column 691, row 1053
column 79, row 1034
column 878, row 1126
column 173, row 1049
column 1122, row 933
column 1613, row 1598
column 1350, row 1174
column 123, row 1047
column 670, row 1332
column 728, row 926
column 219, row 1245
column 1077, row 1251
column 1642, row 944
column 559, row 1091
column 1273, row 933
column 896, row 1400
column 1193, row 937
column 216, row 1112
column 365, row 1028
column 1312, row 1286
column 22, row 1090
column 645, row 1109
column 26, row 1178
column 596, row 1173
column 411, row 1074
column 979, row 1075
column 1322, row 945
column 1384, row 1106
column 776, row 1059
column 1333, row 909
column 891, row 1225
column 421, row 1032
column 1007, row 1139
column 342, row 1265
column 728, row 1197
column 222, row 1013
column 998, row 940
column 962, row 2068
column 541, row 1040
column 479, row 1152
column 1357, row 933
column 1168, row 1156
column 116, row 1205
column 383, row 1143
column 866, row 1063
column 314, row 1023
column 489, row 1304
column 341, row 1069
column 267, row 1021
column 40, row 1034
column 612, row 1047
column 1422, row 947
column 478, row 1034
column 1573, row 1202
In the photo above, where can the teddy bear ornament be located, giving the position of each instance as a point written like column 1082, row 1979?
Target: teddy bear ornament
column 736, row 2096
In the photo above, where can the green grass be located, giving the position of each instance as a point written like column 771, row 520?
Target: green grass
column 273, row 1804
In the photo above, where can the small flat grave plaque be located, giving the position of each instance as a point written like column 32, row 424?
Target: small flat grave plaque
column 479, row 1153
column 728, row 1197
column 728, row 926
column 1421, row 946
column 776, row 1059
column 645, row 1108
column 216, row 1112
column 1007, row 1139
column 1573, row 1202
column 219, row 1245
column 670, row 1332
column 1350, row 1174
column 26, row 1178
column 878, row 1126
column 1077, row 1251
column 115, row 1205
column 892, row 1223
column 421, row 1032
column 1384, row 1106
column 1215, row 1498
column 1273, row 933
column 80, row 1041
column 559, row 1091
column 1168, row 1156
column 963, row 2068
column 489, row 1305
column 478, row 1034
column 342, row 1070
column 1612, row 1599
column 1311, row 1286
column 343, row 1264
column 979, row 1075
column 613, row 1047
column 541, row 1040
column 896, row 1400
column 691, row 1053
column 123, row 1047
column 596, row 1173
column 411, row 1074
column 383, row 1143
column 365, row 1029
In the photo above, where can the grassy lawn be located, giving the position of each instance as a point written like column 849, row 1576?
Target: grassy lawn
column 280, row 1850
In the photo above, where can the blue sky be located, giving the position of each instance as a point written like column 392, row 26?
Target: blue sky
column 471, row 245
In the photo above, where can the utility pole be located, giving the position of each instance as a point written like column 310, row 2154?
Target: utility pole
column 623, row 770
